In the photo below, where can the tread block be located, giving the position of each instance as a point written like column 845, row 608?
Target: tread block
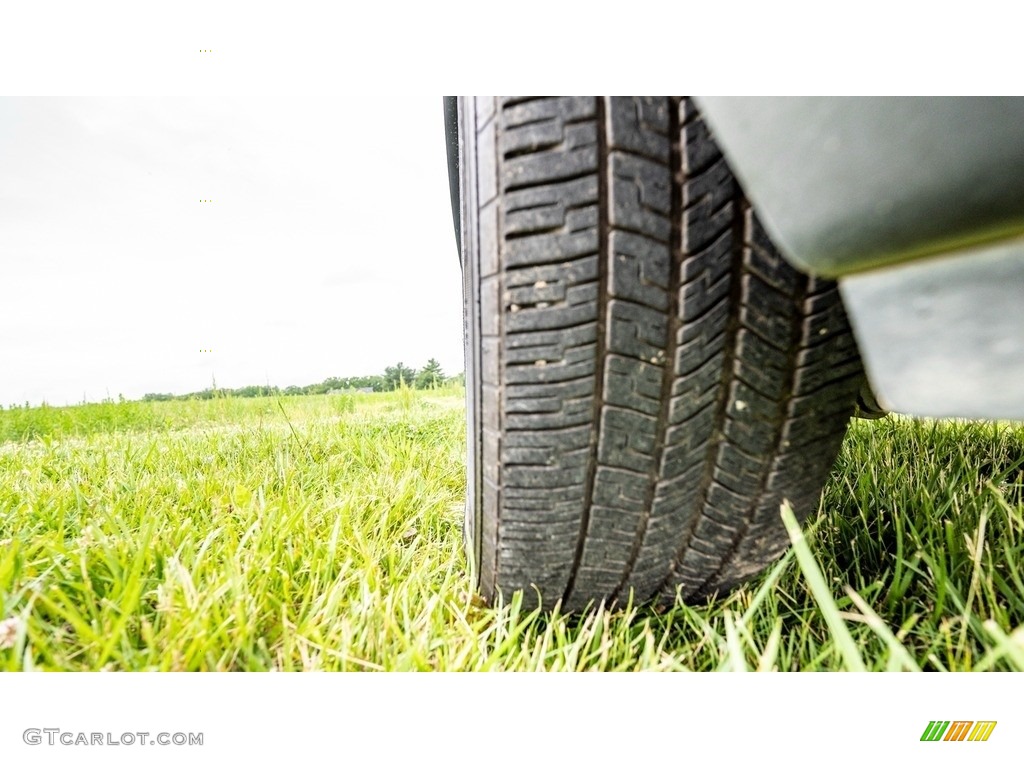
column 543, row 208
column 631, row 383
column 641, row 192
column 553, row 165
column 566, row 109
column 640, row 124
column 640, row 269
column 627, row 439
column 637, row 331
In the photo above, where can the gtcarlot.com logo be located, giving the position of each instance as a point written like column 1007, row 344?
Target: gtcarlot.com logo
column 958, row 730
column 58, row 737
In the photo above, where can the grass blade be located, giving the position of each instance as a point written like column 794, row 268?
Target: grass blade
column 841, row 636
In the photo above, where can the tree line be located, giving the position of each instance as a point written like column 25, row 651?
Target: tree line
column 394, row 377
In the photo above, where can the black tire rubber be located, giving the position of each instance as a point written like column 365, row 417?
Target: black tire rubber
column 647, row 379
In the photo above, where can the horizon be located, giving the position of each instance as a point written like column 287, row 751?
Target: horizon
column 213, row 387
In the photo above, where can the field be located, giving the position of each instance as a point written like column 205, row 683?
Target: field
column 323, row 532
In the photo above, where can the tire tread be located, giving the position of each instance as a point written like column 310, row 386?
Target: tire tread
column 660, row 379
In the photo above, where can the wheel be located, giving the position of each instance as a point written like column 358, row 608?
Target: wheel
column 647, row 379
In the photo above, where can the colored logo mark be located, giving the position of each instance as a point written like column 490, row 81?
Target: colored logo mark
column 958, row 730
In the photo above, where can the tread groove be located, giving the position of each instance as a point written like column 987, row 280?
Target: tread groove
column 668, row 364
column 722, row 401
column 600, row 351
column 782, row 406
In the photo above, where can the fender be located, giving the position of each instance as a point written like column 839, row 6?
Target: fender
column 451, row 140
column 916, row 205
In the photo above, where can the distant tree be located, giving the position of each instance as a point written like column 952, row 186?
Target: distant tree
column 430, row 376
column 399, row 375
column 377, row 383
column 459, row 379
column 334, row 383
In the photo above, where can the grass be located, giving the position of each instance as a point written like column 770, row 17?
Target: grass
column 324, row 533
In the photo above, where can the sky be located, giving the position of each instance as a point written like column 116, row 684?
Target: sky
column 326, row 248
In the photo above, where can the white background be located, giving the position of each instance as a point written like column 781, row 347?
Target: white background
column 516, row 719
column 316, row 129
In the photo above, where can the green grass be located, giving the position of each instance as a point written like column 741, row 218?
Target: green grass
column 324, row 533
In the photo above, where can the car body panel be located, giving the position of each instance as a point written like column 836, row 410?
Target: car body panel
column 847, row 184
column 451, row 141
column 944, row 336
column 916, row 205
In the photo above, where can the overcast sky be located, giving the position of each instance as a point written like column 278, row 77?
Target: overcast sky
column 327, row 250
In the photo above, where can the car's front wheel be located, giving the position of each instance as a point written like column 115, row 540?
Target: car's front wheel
column 647, row 378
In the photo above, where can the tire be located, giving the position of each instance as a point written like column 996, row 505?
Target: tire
column 647, row 379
